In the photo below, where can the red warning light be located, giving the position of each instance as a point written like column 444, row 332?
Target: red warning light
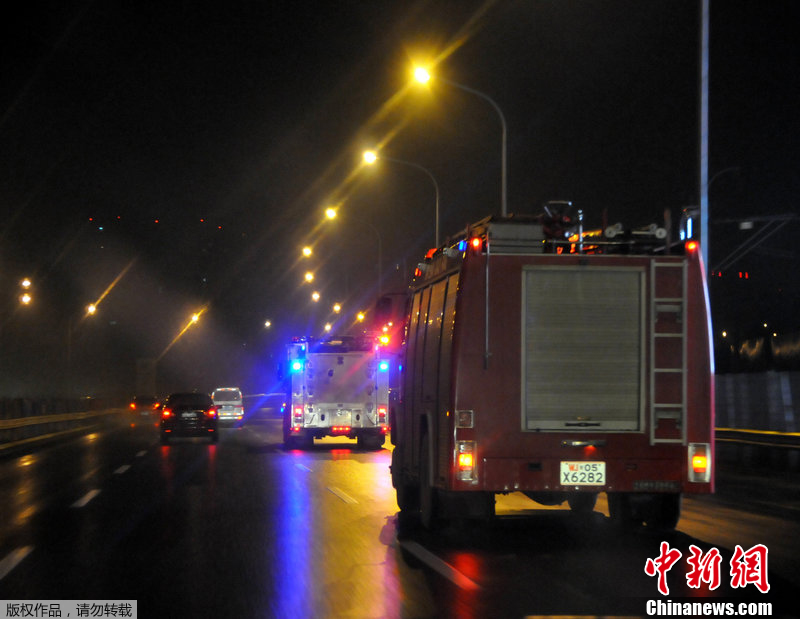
column 691, row 246
column 475, row 242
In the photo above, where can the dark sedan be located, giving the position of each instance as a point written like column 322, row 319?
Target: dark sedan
column 144, row 405
column 189, row 414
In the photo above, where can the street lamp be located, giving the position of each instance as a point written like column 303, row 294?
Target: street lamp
column 332, row 213
column 422, row 76
column 26, row 298
column 370, row 157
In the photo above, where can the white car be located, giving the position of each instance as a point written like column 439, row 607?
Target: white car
column 228, row 401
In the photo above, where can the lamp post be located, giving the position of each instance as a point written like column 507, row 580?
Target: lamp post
column 332, row 213
column 370, row 157
column 422, row 76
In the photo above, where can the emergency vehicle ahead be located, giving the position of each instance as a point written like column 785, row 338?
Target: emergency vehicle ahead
column 336, row 386
column 559, row 366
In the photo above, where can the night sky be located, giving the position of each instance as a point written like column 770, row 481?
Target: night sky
column 197, row 144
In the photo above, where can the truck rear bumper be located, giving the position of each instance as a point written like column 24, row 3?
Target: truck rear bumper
column 622, row 475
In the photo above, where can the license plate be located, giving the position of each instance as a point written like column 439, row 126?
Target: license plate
column 188, row 415
column 583, row 473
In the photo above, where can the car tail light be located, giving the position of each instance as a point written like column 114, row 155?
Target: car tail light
column 133, row 406
column 699, row 462
column 211, row 412
column 166, row 412
column 465, row 460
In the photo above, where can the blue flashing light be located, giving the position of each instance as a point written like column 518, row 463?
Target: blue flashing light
column 462, row 245
column 383, row 366
column 297, row 366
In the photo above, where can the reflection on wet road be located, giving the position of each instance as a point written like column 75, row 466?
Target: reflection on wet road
column 245, row 528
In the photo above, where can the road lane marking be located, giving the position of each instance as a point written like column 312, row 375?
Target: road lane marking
column 141, row 453
column 122, row 469
column 82, row 502
column 342, row 495
column 13, row 559
column 442, row 567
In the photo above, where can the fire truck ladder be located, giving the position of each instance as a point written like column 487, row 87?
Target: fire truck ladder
column 668, row 350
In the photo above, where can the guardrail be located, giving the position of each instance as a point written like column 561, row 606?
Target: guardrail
column 763, row 438
column 24, row 421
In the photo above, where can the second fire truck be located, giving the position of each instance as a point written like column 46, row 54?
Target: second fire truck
column 336, row 386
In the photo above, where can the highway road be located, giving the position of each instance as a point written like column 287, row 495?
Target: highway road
column 245, row 528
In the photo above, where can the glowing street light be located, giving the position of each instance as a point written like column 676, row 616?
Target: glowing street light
column 91, row 309
column 307, row 251
column 337, row 307
column 309, row 277
column 370, row 157
column 422, row 76
column 26, row 298
column 315, row 296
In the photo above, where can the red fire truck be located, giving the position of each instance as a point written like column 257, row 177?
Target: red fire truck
column 556, row 365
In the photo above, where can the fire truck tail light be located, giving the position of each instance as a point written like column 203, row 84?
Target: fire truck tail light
column 465, row 460
column 699, row 462
column 381, row 414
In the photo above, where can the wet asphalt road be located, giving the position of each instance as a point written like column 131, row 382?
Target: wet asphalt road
column 245, row 528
